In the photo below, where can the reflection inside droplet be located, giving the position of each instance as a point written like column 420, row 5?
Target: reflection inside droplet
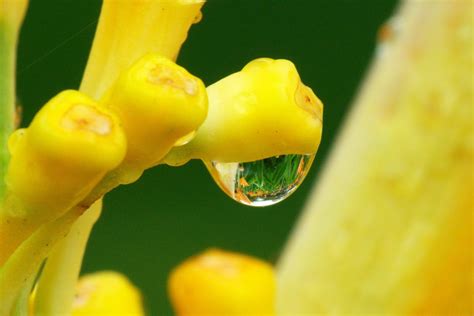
column 262, row 182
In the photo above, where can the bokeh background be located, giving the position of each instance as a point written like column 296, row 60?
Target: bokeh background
column 172, row 213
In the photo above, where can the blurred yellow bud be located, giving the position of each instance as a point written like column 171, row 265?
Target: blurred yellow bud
column 107, row 293
column 222, row 283
column 159, row 103
column 262, row 111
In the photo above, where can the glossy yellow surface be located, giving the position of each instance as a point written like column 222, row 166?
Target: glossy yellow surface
column 158, row 103
column 130, row 29
column 262, row 111
column 70, row 145
column 222, row 283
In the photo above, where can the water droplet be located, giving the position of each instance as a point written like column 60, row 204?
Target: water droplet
column 263, row 182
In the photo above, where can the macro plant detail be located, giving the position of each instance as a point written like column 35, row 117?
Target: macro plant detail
column 387, row 229
column 137, row 109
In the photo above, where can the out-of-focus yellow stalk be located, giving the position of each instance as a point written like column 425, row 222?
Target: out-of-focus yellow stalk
column 389, row 227
column 12, row 13
column 128, row 30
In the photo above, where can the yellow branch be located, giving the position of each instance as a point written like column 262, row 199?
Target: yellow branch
column 128, row 30
column 389, row 227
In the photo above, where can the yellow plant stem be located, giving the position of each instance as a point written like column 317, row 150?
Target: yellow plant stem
column 7, row 98
column 389, row 227
column 21, row 306
column 127, row 31
column 25, row 261
column 11, row 16
column 59, row 276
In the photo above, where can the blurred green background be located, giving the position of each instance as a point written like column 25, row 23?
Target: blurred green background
column 171, row 213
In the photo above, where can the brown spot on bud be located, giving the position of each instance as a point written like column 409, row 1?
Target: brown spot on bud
column 308, row 101
column 86, row 118
column 162, row 75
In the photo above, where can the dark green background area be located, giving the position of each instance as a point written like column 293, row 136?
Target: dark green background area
column 172, row 213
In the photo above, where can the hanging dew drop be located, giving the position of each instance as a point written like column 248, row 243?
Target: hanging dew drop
column 263, row 182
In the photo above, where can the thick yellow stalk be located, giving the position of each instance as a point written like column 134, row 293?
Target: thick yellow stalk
column 130, row 29
column 12, row 13
column 389, row 227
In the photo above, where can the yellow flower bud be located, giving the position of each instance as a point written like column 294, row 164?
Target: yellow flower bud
column 159, row 103
column 70, row 145
column 222, row 283
column 107, row 293
column 262, row 111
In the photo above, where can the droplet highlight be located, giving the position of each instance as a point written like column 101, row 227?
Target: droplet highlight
column 263, row 182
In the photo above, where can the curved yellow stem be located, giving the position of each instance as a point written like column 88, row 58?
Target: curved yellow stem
column 59, row 276
column 22, row 265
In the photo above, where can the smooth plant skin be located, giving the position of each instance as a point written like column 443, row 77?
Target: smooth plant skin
column 130, row 112
column 12, row 13
column 19, row 271
column 61, row 260
column 104, row 293
column 218, row 282
column 260, row 112
column 158, row 103
column 389, row 227
column 128, row 30
column 69, row 146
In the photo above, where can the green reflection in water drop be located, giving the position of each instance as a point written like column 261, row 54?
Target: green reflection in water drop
column 263, row 182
